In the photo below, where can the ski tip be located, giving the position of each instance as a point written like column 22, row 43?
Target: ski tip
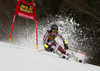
column 80, row 61
column 63, row 57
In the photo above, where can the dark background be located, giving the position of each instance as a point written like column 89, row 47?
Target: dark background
column 84, row 12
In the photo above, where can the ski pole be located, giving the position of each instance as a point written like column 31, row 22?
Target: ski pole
column 72, row 50
column 85, row 54
column 41, row 50
column 82, row 53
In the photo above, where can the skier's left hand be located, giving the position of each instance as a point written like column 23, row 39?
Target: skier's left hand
column 65, row 45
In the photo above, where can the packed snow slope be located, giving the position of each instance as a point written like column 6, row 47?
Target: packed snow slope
column 15, row 58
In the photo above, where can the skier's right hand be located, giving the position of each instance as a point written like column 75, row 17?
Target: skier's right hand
column 48, row 48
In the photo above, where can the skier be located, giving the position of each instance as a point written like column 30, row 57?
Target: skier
column 52, row 46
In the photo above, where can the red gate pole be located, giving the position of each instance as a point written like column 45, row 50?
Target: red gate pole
column 12, row 28
column 36, row 25
column 36, row 35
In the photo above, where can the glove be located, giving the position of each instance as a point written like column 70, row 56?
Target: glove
column 65, row 45
column 48, row 48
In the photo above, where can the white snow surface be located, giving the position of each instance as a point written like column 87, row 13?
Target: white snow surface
column 16, row 58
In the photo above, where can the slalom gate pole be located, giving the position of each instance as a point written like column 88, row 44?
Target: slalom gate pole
column 36, row 25
column 12, row 29
column 36, row 35
column 81, row 53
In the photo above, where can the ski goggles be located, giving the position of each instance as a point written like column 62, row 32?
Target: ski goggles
column 54, row 30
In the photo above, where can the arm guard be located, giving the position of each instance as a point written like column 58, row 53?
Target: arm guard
column 46, row 46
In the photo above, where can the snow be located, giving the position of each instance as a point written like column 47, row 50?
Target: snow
column 16, row 58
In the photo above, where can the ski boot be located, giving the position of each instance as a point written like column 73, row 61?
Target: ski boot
column 76, row 58
column 60, row 54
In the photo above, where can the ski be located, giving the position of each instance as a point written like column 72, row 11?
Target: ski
column 73, row 57
column 77, row 59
